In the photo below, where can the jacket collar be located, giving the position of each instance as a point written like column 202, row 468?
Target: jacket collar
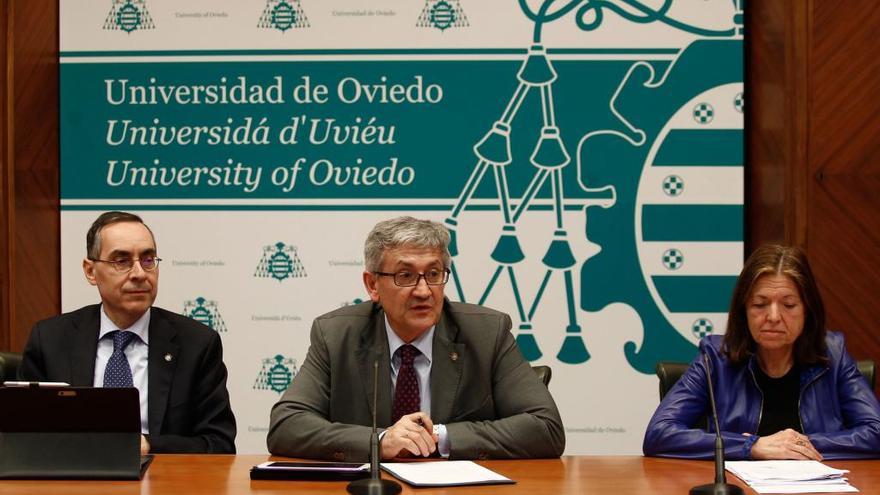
column 446, row 367
column 83, row 346
column 372, row 349
column 161, row 363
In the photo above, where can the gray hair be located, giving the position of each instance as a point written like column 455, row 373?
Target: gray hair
column 405, row 231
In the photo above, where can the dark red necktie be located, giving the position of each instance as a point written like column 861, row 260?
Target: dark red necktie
column 406, row 391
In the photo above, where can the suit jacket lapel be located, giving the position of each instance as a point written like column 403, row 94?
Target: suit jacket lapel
column 374, row 347
column 446, row 368
column 160, row 369
column 83, row 347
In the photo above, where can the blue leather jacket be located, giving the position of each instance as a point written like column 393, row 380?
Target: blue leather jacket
column 838, row 411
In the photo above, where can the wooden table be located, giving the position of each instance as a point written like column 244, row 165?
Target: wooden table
column 222, row 474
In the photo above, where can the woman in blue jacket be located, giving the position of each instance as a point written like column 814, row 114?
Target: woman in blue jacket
column 784, row 387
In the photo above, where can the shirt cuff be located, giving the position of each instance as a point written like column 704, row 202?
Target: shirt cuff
column 443, row 443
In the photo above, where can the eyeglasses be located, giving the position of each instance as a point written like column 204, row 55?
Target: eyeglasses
column 434, row 276
column 124, row 265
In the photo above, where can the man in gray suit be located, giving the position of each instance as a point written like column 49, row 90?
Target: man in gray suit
column 451, row 380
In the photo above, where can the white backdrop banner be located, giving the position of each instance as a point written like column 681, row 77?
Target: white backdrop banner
column 586, row 155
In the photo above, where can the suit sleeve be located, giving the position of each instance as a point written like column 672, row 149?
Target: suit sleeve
column 298, row 422
column 213, row 429
column 860, row 438
column 528, row 424
column 33, row 366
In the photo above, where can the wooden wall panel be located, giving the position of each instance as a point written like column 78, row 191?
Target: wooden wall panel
column 843, row 170
column 32, row 280
column 766, row 127
column 776, row 122
column 37, row 262
column 5, row 197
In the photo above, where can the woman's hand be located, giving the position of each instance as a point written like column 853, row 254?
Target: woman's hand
column 785, row 444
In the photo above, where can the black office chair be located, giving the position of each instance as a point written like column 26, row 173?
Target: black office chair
column 544, row 374
column 866, row 368
column 668, row 372
column 9, row 363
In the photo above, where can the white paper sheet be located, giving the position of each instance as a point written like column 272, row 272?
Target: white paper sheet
column 783, row 470
column 806, row 488
column 444, row 473
column 791, row 476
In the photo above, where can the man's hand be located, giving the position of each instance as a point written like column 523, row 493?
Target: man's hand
column 413, row 433
column 145, row 446
column 785, row 444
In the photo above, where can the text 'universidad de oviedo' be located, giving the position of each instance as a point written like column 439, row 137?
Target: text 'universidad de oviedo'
column 239, row 91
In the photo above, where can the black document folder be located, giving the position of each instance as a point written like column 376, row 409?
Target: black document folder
column 70, row 433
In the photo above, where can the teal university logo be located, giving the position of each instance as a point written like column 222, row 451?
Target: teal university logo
column 128, row 16
column 280, row 262
column 204, row 311
column 283, row 15
column 276, row 374
column 442, row 15
column 659, row 187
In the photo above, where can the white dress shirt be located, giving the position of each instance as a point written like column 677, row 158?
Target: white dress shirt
column 422, row 366
column 136, row 353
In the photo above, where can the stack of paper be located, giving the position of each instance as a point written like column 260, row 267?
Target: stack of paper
column 791, row 476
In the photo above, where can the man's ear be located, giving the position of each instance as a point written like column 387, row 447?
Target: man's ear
column 89, row 271
column 370, row 283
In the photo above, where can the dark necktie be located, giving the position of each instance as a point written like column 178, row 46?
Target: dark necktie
column 406, row 391
column 117, row 374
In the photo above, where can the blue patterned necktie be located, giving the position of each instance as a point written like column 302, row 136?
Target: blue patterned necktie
column 117, row 374
column 406, row 391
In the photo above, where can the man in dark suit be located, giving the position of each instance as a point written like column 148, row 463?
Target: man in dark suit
column 451, row 380
column 175, row 363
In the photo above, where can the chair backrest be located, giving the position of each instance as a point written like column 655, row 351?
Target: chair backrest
column 668, row 372
column 9, row 363
column 866, row 368
column 544, row 374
